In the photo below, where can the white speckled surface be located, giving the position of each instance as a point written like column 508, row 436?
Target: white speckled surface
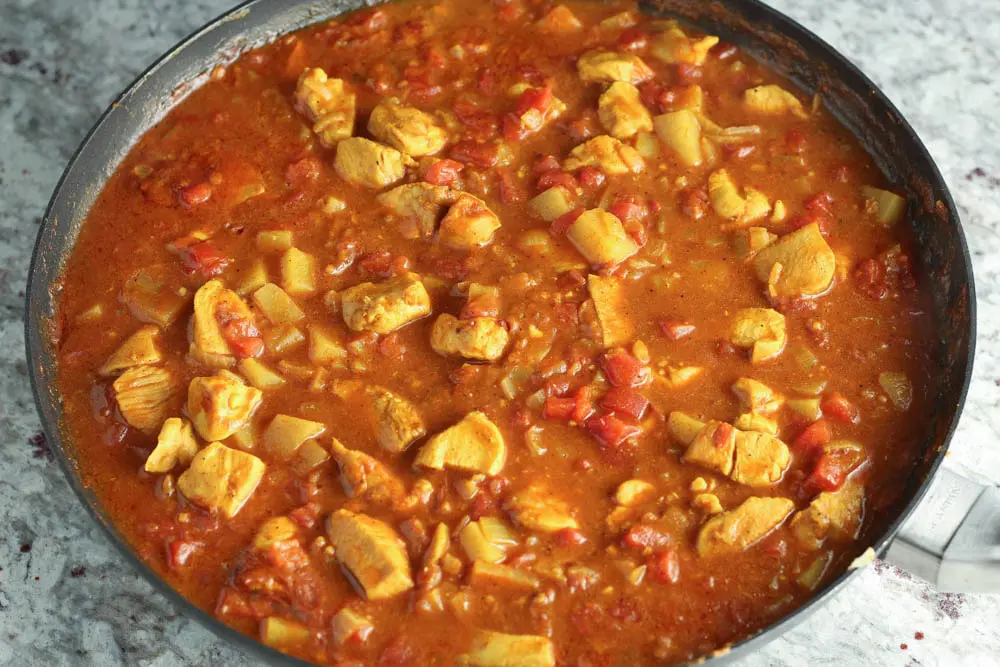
column 66, row 598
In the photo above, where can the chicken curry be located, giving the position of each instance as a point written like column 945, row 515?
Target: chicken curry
column 495, row 333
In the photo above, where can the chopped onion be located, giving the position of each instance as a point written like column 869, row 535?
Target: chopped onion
column 898, row 388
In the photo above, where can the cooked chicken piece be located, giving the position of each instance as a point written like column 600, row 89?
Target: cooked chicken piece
column 396, row 421
column 372, row 552
column 468, row 224
column 742, row 527
column 474, row 444
column 478, row 338
column 683, row 427
column 406, row 129
column 761, row 459
column 622, row 112
column 139, row 349
column 713, row 447
column 756, row 397
column 773, row 100
column 274, row 531
column 559, row 20
column 142, row 393
column 836, row 514
column 609, row 66
column 681, row 132
column 364, row 476
column 799, row 265
column 673, row 46
column 607, row 154
column 421, row 202
column 601, row 238
column 221, row 479
column 387, row 306
column 219, row 405
column 327, row 104
column 367, row 163
column 728, row 203
column 176, row 444
column 613, row 309
column 213, row 306
column 634, row 492
column 708, row 503
column 496, row 649
column 285, row 434
column 760, row 329
column 536, row 508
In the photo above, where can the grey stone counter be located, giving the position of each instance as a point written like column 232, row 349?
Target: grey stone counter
column 67, row 598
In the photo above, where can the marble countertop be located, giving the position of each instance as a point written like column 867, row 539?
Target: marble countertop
column 67, row 597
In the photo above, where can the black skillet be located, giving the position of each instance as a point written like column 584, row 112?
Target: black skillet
column 771, row 37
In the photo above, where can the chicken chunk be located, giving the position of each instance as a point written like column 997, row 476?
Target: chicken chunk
column 614, row 312
column 760, row 329
column 729, row 204
column 799, row 265
column 387, row 306
column 214, row 305
column 478, row 338
column 421, row 202
column 681, row 132
column 609, row 66
column 396, row 421
column 367, row 163
column 327, row 103
column 219, row 405
column 773, row 100
column 756, row 397
column 537, row 508
column 607, row 154
column 406, row 129
column 468, row 224
column 674, row 46
column 621, row 111
column 496, row 649
column 601, row 238
column 142, row 394
column 139, row 349
column 761, row 459
column 474, row 444
column 364, row 476
column 741, row 528
column 175, row 445
column 221, row 479
column 713, row 448
column 836, row 514
column 372, row 552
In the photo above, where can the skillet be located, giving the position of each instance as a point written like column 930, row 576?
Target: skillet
column 943, row 546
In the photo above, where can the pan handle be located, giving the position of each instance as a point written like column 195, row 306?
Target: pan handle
column 952, row 539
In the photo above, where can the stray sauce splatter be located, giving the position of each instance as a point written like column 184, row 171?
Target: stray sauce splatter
column 78, row 571
column 25, row 548
column 918, row 635
column 40, row 447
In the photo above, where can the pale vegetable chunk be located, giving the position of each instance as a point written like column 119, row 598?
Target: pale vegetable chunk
column 761, row 459
column 367, row 163
column 537, row 508
column 468, row 224
column 406, row 129
column 552, row 203
column 559, row 20
column 327, row 103
column 347, row 624
column 749, row 421
column 760, row 329
column 673, row 46
column 275, row 240
column 601, row 238
column 364, row 476
column 496, row 649
column 282, row 633
column 621, row 111
column 219, row 405
column 474, row 444
column 324, row 347
column 477, row 546
column 798, row 265
column 260, row 375
column 285, row 434
column 614, row 311
column 387, row 306
column 371, row 552
column 684, row 427
column 488, row 575
column 756, row 397
column 681, row 132
column 151, row 300
column 898, row 388
column 713, row 448
column 889, row 207
column 139, row 349
column 213, row 305
column 607, row 154
column 298, row 272
column 480, row 338
column 142, row 393
column 836, row 514
column 396, row 421
column 609, row 66
column 773, row 100
column 273, row 531
column 276, row 305
column 221, row 479
column 728, row 203
column 175, row 445
column 421, row 202
column 741, row 528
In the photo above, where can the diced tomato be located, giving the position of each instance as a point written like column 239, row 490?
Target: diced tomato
column 306, row 515
column 552, row 178
column 557, row 386
column 723, row 432
column 397, row 652
column 433, row 55
column 513, row 129
column 534, row 98
column 243, row 337
column 590, row 177
column 633, row 39
column 626, row 401
column 196, row 194
column 559, row 408
column 510, row 191
column 871, row 279
column 724, row 50
column 378, row 263
column 611, row 430
column 480, row 153
column 179, row 552
column 655, row 96
column 570, row 537
column 795, row 141
column 233, row 604
column 584, row 404
column 688, row 72
column 628, row 209
column 624, row 370
column 642, row 537
column 813, row 438
column 664, row 566
column 676, row 330
column 544, row 163
column 302, row 171
column 694, row 203
column 830, row 473
column 483, row 122
column 443, row 172
column 509, row 10
column 204, row 258
column 840, row 409
column 820, row 203
column 562, row 224
column 572, row 279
